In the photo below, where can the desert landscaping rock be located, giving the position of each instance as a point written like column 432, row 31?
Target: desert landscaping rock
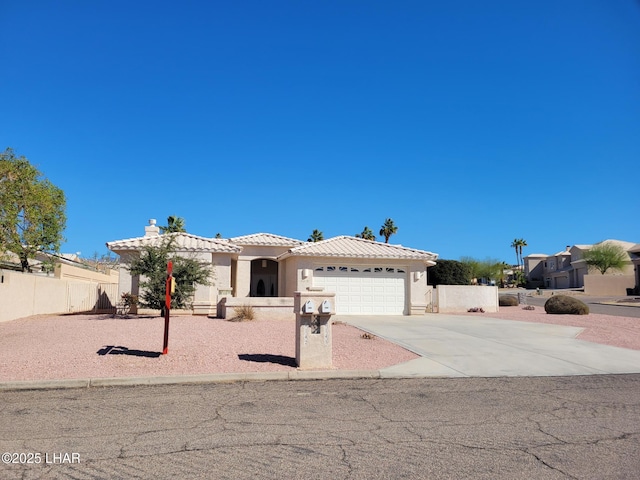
column 507, row 300
column 564, row 304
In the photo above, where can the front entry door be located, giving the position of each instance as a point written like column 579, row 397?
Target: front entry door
column 264, row 278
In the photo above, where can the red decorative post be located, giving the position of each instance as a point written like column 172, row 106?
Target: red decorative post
column 167, row 307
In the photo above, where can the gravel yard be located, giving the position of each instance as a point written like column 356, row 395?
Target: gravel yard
column 98, row 346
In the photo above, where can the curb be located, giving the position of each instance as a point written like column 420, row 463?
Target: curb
column 189, row 379
column 620, row 304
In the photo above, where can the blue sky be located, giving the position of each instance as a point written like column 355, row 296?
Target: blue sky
column 469, row 123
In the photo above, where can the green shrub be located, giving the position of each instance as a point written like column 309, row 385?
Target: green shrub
column 129, row 300
column 243, row 313
column 563, row 304
column 448, row 272
column 508, row 301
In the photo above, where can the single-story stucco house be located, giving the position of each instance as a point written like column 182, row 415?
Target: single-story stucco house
column 264, row 270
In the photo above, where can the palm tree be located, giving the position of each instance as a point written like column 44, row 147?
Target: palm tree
column 502, row 268
column 367, row 234
column 174, row 224
column 521, row 243
column 388, row 228
column 515, row 244
column 316, row 236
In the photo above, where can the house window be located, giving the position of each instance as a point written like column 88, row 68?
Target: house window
column 331, row 269
column 344, row 269
column 377, row 269
column 354, row 270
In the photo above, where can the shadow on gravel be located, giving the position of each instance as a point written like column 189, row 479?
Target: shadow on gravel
column 113, row 350
column 267, row 358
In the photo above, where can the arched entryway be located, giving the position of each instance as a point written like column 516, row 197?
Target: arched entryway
column 264, row 278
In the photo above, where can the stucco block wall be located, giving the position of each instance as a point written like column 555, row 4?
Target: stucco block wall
column 271, row 308
column 24, row 294
column 460, row 298
column 69, row 272
column 613, row 285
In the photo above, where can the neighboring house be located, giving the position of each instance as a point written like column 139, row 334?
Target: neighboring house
column 567, row 268
column 368, row 277
column 534, row 269
column 634, row 252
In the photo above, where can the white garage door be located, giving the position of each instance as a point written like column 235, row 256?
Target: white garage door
column 364, row 290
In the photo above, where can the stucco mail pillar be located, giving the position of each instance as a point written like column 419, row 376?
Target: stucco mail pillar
column 313, row 329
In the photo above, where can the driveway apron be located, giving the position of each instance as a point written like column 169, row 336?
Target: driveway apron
column 467, row 346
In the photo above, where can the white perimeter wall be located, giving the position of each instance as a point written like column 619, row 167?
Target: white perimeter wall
column 25, row 294
column 460, row 298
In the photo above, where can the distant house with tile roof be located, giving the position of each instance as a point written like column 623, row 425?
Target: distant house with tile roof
column 568, row 269
column 265, row 270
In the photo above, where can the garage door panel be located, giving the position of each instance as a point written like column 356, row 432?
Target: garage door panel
column 379, row 291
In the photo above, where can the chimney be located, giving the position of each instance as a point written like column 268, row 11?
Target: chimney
column 568, row 247
column 151, row 230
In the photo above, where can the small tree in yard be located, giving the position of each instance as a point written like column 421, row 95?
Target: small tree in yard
column 606, row 256
column 152, row 268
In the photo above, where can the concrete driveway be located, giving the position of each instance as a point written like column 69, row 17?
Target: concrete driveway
column 466, row 346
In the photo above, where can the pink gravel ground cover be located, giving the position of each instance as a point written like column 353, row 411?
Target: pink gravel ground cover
column 604, row 329
column 99, row 346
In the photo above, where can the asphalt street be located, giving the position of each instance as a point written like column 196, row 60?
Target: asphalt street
column 482, row 428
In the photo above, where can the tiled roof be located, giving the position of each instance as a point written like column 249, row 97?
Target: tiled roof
column 625, row 245
column 184, row 242
column 265, row 239
column 352, row 247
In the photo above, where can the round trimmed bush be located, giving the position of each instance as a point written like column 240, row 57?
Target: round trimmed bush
column 563, row 304
column 508, row 301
